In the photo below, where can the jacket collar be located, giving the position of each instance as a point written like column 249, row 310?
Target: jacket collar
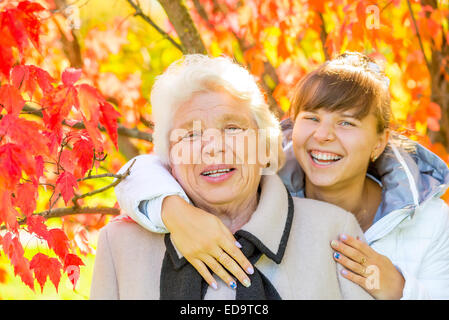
column 409, row 177
column 269, row 226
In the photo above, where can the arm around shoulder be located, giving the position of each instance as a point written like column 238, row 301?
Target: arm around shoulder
column 150, row 180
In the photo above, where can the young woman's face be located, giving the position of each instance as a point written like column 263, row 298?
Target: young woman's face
column 334, row 148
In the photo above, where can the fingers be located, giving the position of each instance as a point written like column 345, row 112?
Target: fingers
column 204, row 272
column 356, row 244
column 349, row 264
column 231, row 265
column 218, row 269
column 235, row 253
column 361, row 281
column 350, row 252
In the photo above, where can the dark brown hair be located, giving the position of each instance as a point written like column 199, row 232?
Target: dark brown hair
column 352, row 81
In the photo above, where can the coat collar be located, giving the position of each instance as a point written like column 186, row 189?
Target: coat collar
column 269, row 226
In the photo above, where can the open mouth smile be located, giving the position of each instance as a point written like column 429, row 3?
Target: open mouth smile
column 322, row 158
column 217, row 174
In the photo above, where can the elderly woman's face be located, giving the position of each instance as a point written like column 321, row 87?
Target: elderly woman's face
column 208, row 153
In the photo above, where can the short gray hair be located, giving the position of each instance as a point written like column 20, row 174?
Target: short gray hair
column 196, row 73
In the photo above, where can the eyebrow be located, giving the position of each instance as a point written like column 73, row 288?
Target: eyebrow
column 349, row 115
column 229, row 117
column 232, row 117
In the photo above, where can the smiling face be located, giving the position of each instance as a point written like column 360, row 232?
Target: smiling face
column 206, row 156
column 334, row 148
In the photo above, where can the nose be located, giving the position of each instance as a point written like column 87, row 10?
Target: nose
column 213, row 143
column 324, row 132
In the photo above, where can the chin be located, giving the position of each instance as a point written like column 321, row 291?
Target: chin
column 322, row 181
column 217, row 197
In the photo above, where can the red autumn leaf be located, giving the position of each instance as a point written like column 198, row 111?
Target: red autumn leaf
column 8, row 214
column 30, row 20
column 83, row 151
column 25, row 133
column 11, row 99
column 12, row 159
column 16, row 28
column 66, row 161
column 108, row 118
column 36, row 225
column 39, row 166
column 94, row 134
column 57, row 105
column 65, row 184
column 23, row 23
column 59, row 242
column 89, row 104
column 43, row 267
column 6, row 58
column 14, row 250
column 70, row 76
column 72, row 265
column 25, row 198
column 28, row 77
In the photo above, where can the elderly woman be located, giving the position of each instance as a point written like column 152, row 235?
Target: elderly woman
column 206, row 112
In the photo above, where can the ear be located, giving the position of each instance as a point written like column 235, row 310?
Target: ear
column 381, row 144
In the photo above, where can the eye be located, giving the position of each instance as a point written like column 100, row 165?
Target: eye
column 347, row 124
column 233, row 129
column 192, row 135
column 311, row 118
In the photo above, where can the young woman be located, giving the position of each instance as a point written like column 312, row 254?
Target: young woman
column 339, row 150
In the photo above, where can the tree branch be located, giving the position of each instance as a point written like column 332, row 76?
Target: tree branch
column 179, row 16
column 76, row 209
column 323, row 37
column 61, row 212
column 119, row 178
column 104, row 175
column 72, row 47
column 121, row 130
column 139, row 12
column 418, row 35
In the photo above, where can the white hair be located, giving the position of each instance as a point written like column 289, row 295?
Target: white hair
column 196, row 73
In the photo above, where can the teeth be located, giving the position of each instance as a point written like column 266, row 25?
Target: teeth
column 325, row 156
column 215, row 173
